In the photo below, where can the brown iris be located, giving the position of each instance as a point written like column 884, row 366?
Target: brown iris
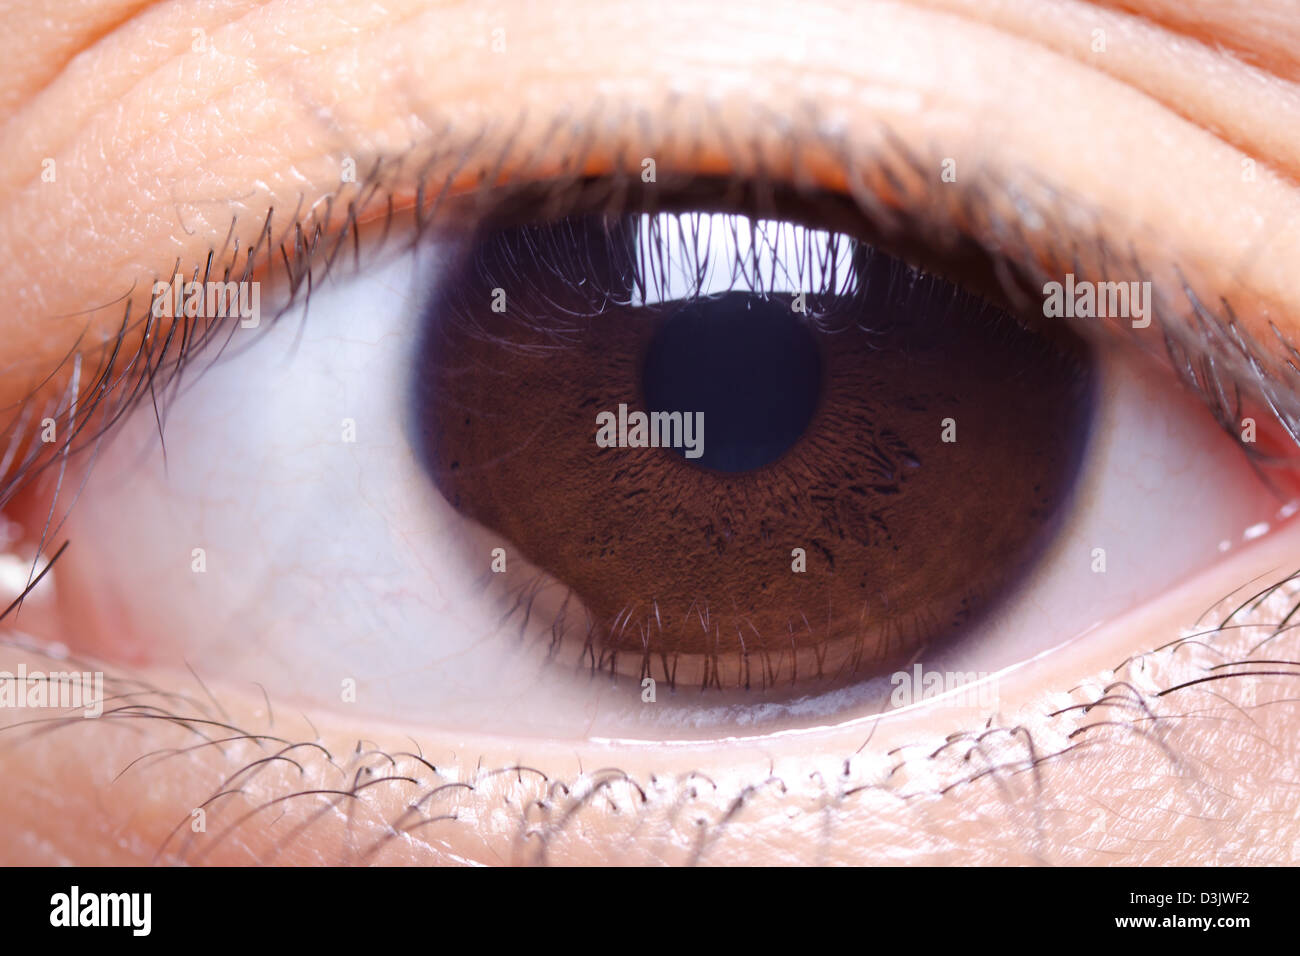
column 881, row 461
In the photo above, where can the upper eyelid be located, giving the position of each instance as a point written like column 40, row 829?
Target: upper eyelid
column 604, row 133
column 343, row 128
column 892, row 188
column 1160, row 48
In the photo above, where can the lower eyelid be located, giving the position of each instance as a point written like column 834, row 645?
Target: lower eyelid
column 1040, row 784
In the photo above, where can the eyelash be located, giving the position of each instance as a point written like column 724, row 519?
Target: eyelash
column 1121, row 712
column 154, row 371
column 1214, row 358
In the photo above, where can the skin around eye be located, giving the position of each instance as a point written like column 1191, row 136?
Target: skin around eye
column 1096, row 785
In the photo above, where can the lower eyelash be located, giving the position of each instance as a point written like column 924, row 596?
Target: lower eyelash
column 549, row 807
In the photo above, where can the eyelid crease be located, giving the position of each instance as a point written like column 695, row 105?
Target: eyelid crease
column 1259, row 34
column 1156, row 51
column 40, row 42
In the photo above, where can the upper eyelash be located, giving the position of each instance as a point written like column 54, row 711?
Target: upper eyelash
column 1208, row 350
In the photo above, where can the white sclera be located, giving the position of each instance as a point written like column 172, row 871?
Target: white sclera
column 330, row 561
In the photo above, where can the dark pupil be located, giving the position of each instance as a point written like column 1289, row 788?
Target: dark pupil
column 749, row 364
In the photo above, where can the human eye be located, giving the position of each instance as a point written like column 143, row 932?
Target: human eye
column 409, row 499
